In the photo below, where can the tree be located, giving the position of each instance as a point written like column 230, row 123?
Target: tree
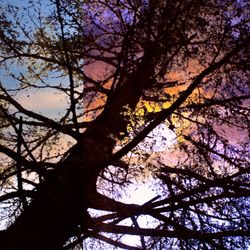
column 137, row 67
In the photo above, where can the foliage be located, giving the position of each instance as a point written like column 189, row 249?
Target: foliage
column 153, row 92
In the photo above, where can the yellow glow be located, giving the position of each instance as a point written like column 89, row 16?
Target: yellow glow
column 149, row 107
column 166, row 105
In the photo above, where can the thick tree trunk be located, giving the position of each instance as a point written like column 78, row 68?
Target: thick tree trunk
column 61, row 203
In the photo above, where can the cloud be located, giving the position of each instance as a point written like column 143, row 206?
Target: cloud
column 43, row 100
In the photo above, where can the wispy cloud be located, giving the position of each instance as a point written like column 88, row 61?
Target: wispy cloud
column 43, row 100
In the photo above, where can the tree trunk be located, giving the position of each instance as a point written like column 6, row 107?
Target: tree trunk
column 61, row 203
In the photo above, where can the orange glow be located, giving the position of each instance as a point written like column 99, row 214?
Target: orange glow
column 99, row 70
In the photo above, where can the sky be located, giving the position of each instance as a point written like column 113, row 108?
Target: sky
column 49, row 103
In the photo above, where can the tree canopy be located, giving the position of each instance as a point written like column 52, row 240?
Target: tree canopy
column 98, row 97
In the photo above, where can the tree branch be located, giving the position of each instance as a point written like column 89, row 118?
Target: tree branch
column 167, row 233
column 50, row 123
column 164, row 114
